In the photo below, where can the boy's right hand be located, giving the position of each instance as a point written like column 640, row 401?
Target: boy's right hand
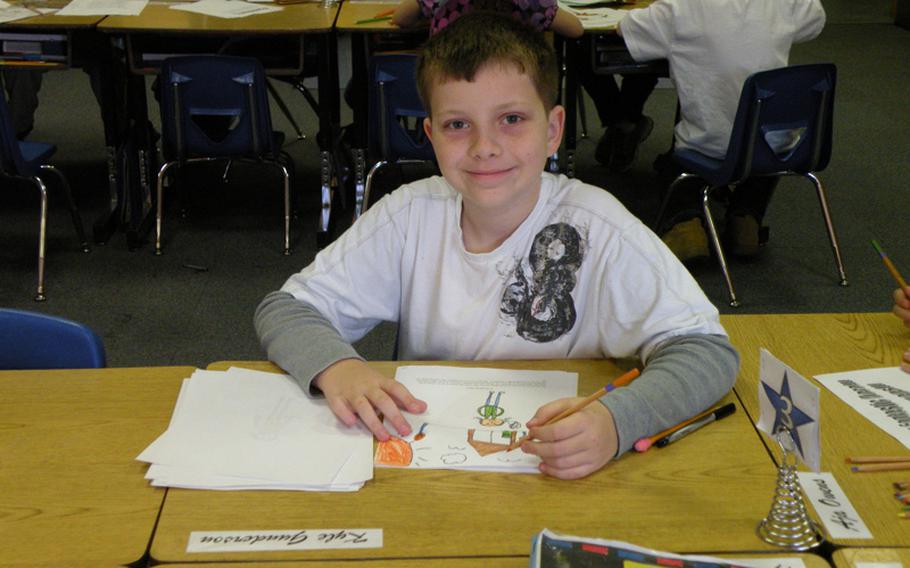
column 902, row 304
column 354, row 390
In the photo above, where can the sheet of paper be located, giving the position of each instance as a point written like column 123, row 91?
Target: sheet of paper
column 248, row 429
column 881, row 395
column 12, row 13
column 103, row 8
column 594, row 17
column 473, row 415
column 226, row 8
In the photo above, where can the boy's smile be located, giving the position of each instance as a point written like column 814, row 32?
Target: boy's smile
column 492, row 137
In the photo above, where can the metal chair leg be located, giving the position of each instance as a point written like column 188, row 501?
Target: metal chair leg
column 42, row 238
column 162, row 172
column 285, row 110
column 369, row 185
column 287, row 209
column 582, row 114
column 715, row 242
column 666, row 200
column 829, row 224
column 71, row 203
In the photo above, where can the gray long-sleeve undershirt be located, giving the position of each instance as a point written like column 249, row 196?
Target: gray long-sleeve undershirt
column 682, row 377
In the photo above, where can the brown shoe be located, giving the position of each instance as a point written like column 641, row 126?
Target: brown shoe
column 744, row 236
column 687, row 240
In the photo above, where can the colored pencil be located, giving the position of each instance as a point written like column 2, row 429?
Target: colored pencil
column 620, row 382
column 645, row 443
column 902, row 484
column 890, row 266
column 904, row 515
column 881, row 467
column 374, row 20
column 878, row 459
column 388, row 12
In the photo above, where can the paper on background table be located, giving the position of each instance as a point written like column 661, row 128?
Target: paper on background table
column 594, row 17
column 249, row 429
column 226, row 8
column 472, row 416
column 12, row 13
column 103, row 8
column 881, row 395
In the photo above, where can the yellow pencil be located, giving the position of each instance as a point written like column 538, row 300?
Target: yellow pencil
column 878, row 459
column 890, row 266
column 881, row 467
column 620, row 382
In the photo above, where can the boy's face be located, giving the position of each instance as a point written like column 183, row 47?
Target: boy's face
column 492, row 138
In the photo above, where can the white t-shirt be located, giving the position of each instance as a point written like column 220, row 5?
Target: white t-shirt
column 580, row 277
column 712, row 47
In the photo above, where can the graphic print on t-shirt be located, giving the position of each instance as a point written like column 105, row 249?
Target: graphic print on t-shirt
column 541, row 303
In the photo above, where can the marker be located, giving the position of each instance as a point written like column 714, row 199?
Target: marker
column 721, row 412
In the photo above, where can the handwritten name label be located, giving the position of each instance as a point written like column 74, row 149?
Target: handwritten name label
column 832, row 506
column 294, row 539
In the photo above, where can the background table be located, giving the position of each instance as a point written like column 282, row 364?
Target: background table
column 814, row 344
column 674, row 498
column 71, row 493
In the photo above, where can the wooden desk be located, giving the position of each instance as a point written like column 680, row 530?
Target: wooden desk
column 810, row 560
column 71, row 493
column 850, row 557
column 814, row 344
column 671, row 499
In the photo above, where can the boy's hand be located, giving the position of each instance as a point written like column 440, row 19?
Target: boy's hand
column 902, row 304
column 575, row 446
column 353, row 389
column 905, row 363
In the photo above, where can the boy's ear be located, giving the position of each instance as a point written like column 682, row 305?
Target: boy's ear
column 555, row 125
column 428, row 128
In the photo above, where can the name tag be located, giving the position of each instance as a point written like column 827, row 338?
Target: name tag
column 294, row 539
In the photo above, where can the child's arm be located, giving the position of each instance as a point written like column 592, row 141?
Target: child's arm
column 307, row 346
column 683, row 377
column 567, row 24
column 407, row 14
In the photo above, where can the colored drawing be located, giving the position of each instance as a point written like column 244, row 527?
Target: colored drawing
column 394, row 452
column 486, row 442
column 490, row 413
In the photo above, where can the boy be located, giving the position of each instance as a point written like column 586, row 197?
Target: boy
column 498, row 260
column 712, row 47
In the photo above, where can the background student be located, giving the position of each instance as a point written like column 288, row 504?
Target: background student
column 499, row 260
column 712, row 47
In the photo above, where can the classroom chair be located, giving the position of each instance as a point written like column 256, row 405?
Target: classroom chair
column 215, row 107
column 27, row 160
column 782, row 127
column 32, row 340
column 395, row 127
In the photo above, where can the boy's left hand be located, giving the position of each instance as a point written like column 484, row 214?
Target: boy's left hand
column 575, row 446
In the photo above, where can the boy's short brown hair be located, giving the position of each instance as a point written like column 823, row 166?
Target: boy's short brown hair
column 479, row 38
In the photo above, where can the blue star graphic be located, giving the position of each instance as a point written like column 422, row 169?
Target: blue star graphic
column 786, row 415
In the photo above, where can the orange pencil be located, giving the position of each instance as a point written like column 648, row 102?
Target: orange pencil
column 890, row 266
column 878, row 459
column 645, row 443
column 388, row 12
column 620, row 382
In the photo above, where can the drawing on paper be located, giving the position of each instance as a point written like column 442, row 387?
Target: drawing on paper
column 486, row 442
column 490, row 411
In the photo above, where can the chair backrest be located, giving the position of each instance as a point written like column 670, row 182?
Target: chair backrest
column 395, row 110
column 31, row 340
column 214, row 106
column 11, row 161
column 783, row 122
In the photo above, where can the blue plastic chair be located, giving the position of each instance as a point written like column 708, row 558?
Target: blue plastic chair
column 782, row 127
column 28, row 161
column 396, row 114
column 215, row 107
column 31, row 340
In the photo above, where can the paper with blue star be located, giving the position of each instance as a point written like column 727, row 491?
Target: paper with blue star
column 789, row 401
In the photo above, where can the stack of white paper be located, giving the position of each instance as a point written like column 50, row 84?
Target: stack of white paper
column 473, row 415
column 244, row 429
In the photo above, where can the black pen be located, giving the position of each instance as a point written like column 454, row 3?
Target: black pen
column 721, row 412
